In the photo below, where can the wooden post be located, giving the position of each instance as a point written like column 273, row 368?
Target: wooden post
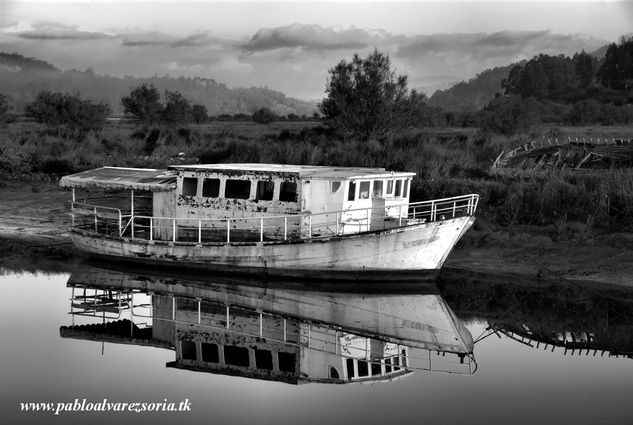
column 285, row 228
column 228, row 231
column 200, row 231
column 173, row 229
column 261, row 229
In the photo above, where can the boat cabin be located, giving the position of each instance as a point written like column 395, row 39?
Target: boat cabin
column 297, row 201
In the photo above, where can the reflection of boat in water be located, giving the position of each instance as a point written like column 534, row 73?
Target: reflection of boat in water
column 271, row 333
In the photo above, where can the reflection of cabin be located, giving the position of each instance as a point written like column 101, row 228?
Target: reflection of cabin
column 292, row 341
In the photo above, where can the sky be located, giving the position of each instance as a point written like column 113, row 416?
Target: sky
column 290, row 45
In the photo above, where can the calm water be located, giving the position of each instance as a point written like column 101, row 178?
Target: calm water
column 130, row 337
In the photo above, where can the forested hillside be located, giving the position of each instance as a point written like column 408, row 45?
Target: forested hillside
column 21, row 79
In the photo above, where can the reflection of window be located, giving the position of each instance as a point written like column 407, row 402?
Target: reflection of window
column 237, row 189
column 210, row 352
column 377, row 187
column 351, row 373
column 287, row 362
column 389, row 187
column 398, row 188
column 335, row 187
column 264, row 359
column 405, row 188
column 363, row 192
column 352, row 191
column 288, row 192
column 363, row 368
column 334, row 373
column 236, row 356
column 188, row 349
column 265, row 190
column 211, row 188
column 189, row 186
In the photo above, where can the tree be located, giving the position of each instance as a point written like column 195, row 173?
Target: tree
column 68, row 113
column 263, row 116
column 4, row 109
column 199, row 114
column 366, row 99
column 177, row 109
column 144, row 104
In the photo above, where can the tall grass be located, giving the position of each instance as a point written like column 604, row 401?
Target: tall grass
column 447, row 163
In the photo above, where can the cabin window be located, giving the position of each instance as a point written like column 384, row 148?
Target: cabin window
column 211, row 188
column 188, row 349
column 265, row 190
column 363, row 192
column 264, row 359
column 288, row 192
column 236, row 356
column 189, row 186
column 210, row 352
column 352, row 191
column 287, row 362
column 335, row 186
column 376, row 369
column 377, row 188
column 389, row 190
column 237, row 189
column 405, row 188
column 398, row 188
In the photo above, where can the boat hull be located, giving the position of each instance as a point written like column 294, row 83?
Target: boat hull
column 415, row 251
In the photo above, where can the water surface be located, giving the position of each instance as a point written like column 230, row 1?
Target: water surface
column 541, row 354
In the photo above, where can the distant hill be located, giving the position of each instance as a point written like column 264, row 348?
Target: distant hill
column 474, row 94
column 22, row 78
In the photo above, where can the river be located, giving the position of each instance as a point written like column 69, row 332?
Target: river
column 130, row 341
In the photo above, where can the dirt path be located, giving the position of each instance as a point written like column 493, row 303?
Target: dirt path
column 37, row 214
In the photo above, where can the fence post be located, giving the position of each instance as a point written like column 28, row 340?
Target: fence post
column 261, row 229
column 119, row 222
column 454, row 205
column 310, row 226
column 337, row 223
column 368, row 217
column 285, row 228
column 400, row 215
column 173, row 228
column 132, row 218
column 228, row 232
column 151, row 228
column 200, row 231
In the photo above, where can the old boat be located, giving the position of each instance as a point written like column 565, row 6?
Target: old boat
column 286, row 220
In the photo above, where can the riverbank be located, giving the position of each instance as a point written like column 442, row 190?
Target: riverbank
column 36, row 215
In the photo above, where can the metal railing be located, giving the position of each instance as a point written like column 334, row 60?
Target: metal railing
column 113, row 222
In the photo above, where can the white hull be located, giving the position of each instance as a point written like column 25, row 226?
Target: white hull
column 415, row 249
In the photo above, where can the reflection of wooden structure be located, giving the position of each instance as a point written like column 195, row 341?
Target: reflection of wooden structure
column 573, row 154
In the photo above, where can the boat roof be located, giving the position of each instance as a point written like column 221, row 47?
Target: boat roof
column 122, row 178
column 304, row 171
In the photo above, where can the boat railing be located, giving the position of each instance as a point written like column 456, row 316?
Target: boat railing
column 115, row 222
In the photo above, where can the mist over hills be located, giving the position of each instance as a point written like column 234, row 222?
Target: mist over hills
column 22, row 78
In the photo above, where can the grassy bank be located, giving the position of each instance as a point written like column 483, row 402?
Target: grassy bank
column 447, row 162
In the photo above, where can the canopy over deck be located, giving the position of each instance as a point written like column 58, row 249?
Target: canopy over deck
column 122, row 178
column 303, row 171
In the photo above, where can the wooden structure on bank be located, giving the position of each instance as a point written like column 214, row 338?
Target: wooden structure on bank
column 573, row 154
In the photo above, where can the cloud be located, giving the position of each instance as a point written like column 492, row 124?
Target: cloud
column 148, row 39
column 44, row 30
column 503, row 45
column 313, row 37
